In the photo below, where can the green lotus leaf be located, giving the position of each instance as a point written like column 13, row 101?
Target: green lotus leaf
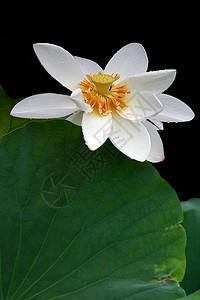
column 191, row 223
column 77, row 224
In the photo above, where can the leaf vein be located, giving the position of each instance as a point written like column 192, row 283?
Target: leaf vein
column 38, row 254
column 59, row 257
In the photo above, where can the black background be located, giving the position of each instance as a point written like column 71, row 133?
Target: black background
column 96, row 30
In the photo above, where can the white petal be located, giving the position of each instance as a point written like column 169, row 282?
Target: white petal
column 131, row 138
column 96, row 129
column 88, row 66
column 76, row 118
column 140, row 106
column 44, row 106
column 158, row 124
column 157, row 152
column 154, row 82
column 77, row 98
column 174, row 110
column 129, row 60
column 60, row 64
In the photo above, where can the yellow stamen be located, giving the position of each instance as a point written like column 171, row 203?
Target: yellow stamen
column 101, row 93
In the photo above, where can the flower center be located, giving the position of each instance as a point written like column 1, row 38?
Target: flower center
column 103, row 82
column 102, row 94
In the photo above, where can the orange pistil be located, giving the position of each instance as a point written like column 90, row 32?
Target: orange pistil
column 101, row 93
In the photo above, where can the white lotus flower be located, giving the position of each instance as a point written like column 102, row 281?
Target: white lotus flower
column 123, row 102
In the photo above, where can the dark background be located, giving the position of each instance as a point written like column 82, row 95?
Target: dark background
column 96, row 31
